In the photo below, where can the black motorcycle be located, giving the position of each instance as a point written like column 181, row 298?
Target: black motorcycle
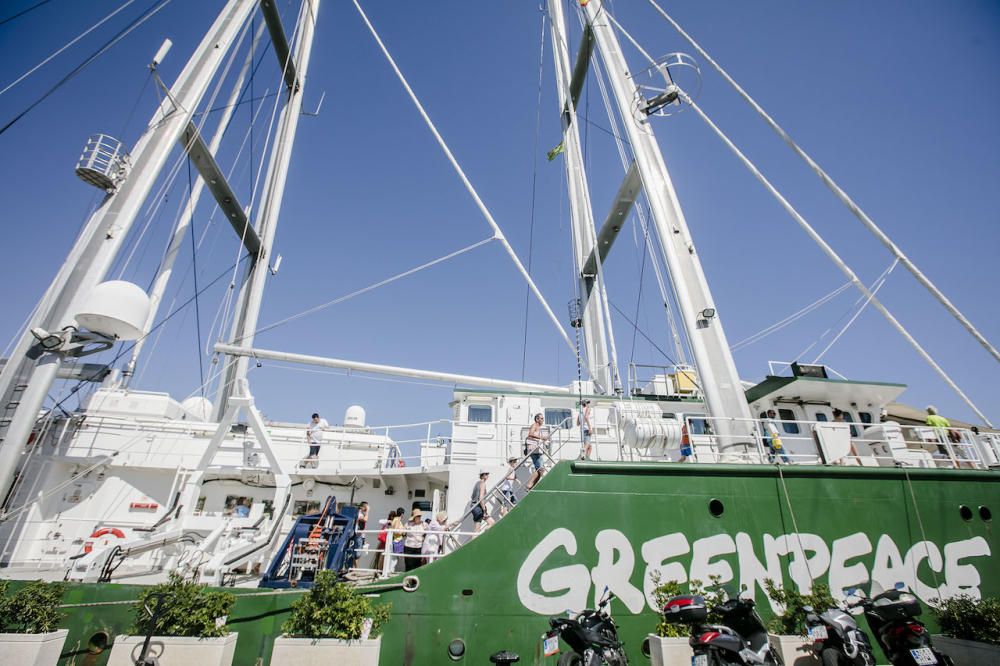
column 838, row 640
column 592, row 636
column 904, row 639
column 739, row 640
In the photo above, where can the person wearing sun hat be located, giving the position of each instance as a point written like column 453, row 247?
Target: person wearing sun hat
column 414, row 541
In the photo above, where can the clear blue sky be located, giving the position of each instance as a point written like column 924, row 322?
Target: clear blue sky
column 897, row 99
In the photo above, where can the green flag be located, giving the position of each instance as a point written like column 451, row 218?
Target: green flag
column 555, row 151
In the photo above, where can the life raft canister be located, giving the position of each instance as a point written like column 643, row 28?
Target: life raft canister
column 88, row 546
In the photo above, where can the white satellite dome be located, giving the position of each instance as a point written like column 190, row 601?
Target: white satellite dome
column 198, row 408
column 354, row 417
column 117, row 309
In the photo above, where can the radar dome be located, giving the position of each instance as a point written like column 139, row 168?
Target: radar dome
column 197, row 408
column 354, row 417
column 117, row 309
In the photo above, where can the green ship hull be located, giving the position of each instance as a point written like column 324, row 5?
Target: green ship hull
column 592, row 525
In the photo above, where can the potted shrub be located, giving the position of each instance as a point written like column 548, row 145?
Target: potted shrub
column 970, row 629
column 788, row 631
column 187, row 625
column 669, row 643
column 29, row 619
column 331, row 624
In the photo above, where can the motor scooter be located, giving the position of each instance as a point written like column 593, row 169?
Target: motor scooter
column 905, row 640
column 837, row 638
column 592, row 637
column 740, row 639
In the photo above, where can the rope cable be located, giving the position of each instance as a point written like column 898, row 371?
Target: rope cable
column 534, row 181
column 840, row 193
column 498, row 234
column 795, row 316
column 23, row 12
column 194, row 274
column 61, row 49
column 878, row 285
column 91, row 58
column 833, row 256
column 371, row 287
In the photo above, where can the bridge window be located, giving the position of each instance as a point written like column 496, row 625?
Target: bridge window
column 559, row 418
column 866, row 417
column 787, row 415
column 480, row 414
column 821, row 417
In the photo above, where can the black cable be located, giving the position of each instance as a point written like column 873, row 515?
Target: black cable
column 650, row 341
column 194, row 272
column 534, row 180
column 23, row 12
column 160, row 4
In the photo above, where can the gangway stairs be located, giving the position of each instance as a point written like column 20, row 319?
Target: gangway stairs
column 317, row 542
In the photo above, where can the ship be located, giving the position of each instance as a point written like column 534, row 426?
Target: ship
column 673, row 469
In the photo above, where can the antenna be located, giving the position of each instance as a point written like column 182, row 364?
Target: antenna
column 161, row 54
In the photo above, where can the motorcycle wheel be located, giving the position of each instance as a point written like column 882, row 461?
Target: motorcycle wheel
column 830, row 657
column 944, row 659
column 570, row 659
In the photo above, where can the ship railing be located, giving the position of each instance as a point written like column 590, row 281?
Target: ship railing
column 886, row 444
column 385, row 561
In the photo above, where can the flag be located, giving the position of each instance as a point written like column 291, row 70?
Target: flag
column 555, row 151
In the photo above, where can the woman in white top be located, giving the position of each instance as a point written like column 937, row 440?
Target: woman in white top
column 434, row 537
column 414, row 541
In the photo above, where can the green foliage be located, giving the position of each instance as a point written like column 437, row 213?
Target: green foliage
column 183, row 609
column 34, row 609
column 793, row 622
column 664, row 591
column 969, row 619
column 334, row 610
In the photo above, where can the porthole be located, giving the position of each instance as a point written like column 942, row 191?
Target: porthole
column 466, row 592
column 97, row 643
column 716, row 507
column 965, row 512
column 456, row 649
column 985, row 514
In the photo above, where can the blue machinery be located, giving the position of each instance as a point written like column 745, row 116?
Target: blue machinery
column 318, row 541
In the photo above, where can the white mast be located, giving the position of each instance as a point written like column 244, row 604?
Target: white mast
column 252, row 292
column 717, row 374
column 183, row 224
column 25, row 380
column 581, row 212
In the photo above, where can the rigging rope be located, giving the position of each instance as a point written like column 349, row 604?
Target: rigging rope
column 61, row 49
column 878, row 285
column 194, row 275
column 23, row 12
column 795, row 316
column 534, row 181
column 833, row 256
column 91, row 58
column 497, row 233
column 839, row 193
column 371, row 287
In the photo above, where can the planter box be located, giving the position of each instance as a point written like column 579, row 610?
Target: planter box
column 325, row 651
column 968, row 653
column 670, row 651
column 175, row 650
column 32, row 649
column 795, row 650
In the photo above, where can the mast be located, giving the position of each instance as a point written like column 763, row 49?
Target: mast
column 28, row 376
column 252, row 290
column 717, row 374
column 584, row 234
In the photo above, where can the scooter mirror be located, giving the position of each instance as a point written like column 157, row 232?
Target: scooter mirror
column 808, row 609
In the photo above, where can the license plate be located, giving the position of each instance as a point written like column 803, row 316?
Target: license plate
column 924, row 657
column 818, row 633
column 550, row 644
column 699, row 660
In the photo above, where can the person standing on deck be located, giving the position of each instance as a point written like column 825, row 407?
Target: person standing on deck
column 583, row 420
column 314, row 435
column 772, row 439
column 414, row 542
column 533, row 445
column 434, row 539
column 838, row 417
column 940, row 425
column 507, row 486
column 479, row 517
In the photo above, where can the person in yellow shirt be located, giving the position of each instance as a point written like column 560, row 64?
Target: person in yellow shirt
column 940, row 425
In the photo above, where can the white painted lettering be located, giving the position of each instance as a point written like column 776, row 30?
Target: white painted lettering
column 802, row 569
column 889, row 567
column 752, row 572
column 702, row 554
column 841, row 574
column 573, row 580
column 925, row 550
column 615, row 562
column 655, row 554
column 964, row 578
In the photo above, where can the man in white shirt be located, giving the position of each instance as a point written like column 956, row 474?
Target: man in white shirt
column 314, row 435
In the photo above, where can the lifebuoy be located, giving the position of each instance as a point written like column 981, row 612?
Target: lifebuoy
column 400, row 463
column 88, row 546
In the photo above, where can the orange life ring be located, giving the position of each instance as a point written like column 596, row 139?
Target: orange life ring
column 88, row 546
